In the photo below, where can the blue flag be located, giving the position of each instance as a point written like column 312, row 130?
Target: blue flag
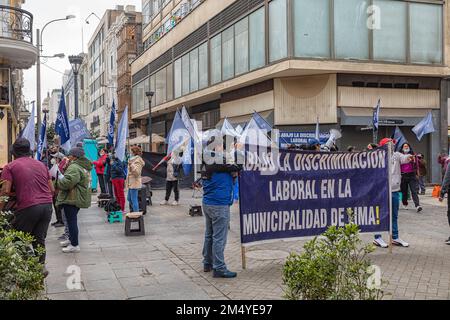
column 62, row 124
column 376, row 115
column 112, row 120
column 29, row 132
column 424, row 127
column 42, row 139
column 261, row 122
column 122, row 135
column 399, row 138
column 178, row 133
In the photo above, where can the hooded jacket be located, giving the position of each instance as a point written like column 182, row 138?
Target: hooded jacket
column 74, row 187
column 135, row 166
column 409, row 167
column 100, row 164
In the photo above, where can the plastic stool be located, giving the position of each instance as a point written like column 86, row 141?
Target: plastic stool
column 115, row 217
column 134, row 217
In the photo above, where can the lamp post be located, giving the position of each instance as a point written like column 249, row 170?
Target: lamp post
column 150, row 95
column 76, row 62
column 39, row 34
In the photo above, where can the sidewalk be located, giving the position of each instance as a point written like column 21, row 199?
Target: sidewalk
column 166, row 263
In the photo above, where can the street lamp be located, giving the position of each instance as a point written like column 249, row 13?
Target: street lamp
column 76, row 62
column 92, row 14
column 150, row 95
column 38, row 64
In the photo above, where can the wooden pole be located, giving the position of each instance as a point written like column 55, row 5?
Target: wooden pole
column 390, row 194
column 244, row 260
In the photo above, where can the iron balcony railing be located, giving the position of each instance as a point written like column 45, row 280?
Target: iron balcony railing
column 16, row 24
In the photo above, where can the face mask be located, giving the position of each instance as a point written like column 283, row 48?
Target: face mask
column 406, row 150
column 53, row 161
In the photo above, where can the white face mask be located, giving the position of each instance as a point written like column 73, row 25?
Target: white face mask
column 406, row 150
column 53, row 161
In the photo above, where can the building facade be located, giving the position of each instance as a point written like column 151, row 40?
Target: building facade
column 53, row 105
column 296, row 60
column 17, row 53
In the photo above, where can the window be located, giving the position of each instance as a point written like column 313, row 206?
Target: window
column 152, row 88
column 177, row 78
column 185, row 74
column 216, row 59
column 193, row 58
column 146, row 15
column 203, row 66
column 257, row 39
column 241, row 46
column 169, row 81
column 160, row 93
column 228, row 54
column 277, row 30
column 351, row 32
column 140, row 95
column 426, row 33
column 311, row 28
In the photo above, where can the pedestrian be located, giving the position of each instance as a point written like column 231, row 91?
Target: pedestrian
column 218, row 185
column 118, row 181
column 100, row 169
column 74, row 195
column 397, row 160
column 107, row 176
column 445, row 190
column 444, row 161
column 134, row 177
column 409, row 178
column 32, row 184
column 422, row 173
column 55, row 161
column 172, row 174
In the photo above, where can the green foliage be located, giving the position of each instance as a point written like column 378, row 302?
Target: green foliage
column 51, row 132
column 333, row 267
column 21, row 273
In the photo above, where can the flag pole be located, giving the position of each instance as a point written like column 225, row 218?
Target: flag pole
column 390, row 194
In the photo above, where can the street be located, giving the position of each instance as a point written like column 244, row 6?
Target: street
column 166, row 263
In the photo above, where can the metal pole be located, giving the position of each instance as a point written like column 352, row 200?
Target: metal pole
column 149, row 126
column 75, row 78
column 38, row 78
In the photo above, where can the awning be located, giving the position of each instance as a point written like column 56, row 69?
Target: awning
column 364, row 116
column 243, row 120
column 143, row 139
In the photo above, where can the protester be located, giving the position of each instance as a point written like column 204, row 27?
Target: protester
column 100, row 169
column 397, row 160
column 217, row 199
column 444, row 161
column 134, row 178
column 56, row 159
column 409, row 178
column 74, row 194
column 32, row 184
column 172, row 174
column 107, row 175
column 62, row 166
column 445, row 190
column 118, row 181
column 422, row 173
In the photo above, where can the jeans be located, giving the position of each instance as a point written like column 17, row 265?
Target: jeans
column 71, row 213
column 133, row 199
column 422, row 184
column 395, row 208
column 217, row 220
column 34, row 220
column 101, row 182
column 172, row 185
column 66, row 225
column 119, row 185
column 410, row 180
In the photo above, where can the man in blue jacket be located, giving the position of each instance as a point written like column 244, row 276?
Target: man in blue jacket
column 218, row 185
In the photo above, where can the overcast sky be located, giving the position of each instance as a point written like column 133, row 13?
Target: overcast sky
column 63, row 36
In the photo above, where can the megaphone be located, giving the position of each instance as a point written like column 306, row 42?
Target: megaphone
column 334, row 136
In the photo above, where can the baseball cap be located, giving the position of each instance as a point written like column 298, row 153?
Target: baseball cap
column 386, row 141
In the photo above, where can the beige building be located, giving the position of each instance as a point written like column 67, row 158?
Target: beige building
column 17, row 53
column 296, row 60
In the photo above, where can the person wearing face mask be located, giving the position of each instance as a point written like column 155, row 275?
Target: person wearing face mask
column 409, row 179
column 398, row 159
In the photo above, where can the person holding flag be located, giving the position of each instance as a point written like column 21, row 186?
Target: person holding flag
column 42, row 139
column 112, row 120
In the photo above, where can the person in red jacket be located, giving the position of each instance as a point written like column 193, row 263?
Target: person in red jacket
column 100, row 169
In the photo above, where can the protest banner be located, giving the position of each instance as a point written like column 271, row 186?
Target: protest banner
column 300, row 193
column 78, row 132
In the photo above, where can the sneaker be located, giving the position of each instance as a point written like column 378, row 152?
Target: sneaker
column 224, row 274
column 379, row 242
column 71, row 249
column 405, row 207
column 207, row 268
column 58, row 225
column 164, row 203
column 400, row 242
column 447, row 241
column 175, row 203
column 419, row 209
column 64, row 243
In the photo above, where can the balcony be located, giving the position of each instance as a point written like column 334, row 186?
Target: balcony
column 16, row 38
